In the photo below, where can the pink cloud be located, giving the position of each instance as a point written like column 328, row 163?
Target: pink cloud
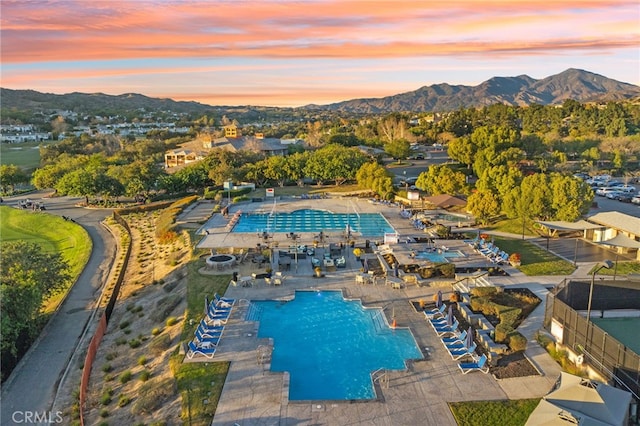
column 82, row 30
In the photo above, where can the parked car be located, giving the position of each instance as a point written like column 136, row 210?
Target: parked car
column 624, row 197
column 604, row 191
column 636, row 199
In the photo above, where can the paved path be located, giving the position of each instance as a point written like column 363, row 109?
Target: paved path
column 32, row 385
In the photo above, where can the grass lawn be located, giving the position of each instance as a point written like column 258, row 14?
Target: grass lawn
column 623, row 268
column 535, row 260
column 53, row 234
column 503, row 412
column 513, row 226
column 24, row 155
column 200, row 380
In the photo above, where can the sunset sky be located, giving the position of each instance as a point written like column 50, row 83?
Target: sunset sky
column 293, row 53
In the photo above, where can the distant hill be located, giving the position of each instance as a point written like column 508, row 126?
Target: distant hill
column 89, row 103
column 574, row 84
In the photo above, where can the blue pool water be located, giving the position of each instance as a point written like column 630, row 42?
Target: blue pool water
column 309, row 220
column 435, row 257
column 329, row 345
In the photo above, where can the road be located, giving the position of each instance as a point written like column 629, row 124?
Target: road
column 32, row 386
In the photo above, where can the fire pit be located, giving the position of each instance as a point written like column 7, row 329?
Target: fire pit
column 221, row 261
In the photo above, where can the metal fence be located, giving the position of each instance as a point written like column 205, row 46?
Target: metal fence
column 604, row 353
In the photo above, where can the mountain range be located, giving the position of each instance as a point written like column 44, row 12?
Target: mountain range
column 579, row 85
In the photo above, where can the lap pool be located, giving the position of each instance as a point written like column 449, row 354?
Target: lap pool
column 311, row 220
column 329, row 345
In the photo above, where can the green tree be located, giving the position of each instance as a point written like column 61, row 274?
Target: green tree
column 10, row 176
column 484, row 205
column 399, row 148
column 375, row 177
column 27, row 277
column 441, row 179
column 334, row 162
column 462, row 150
column 571, row 197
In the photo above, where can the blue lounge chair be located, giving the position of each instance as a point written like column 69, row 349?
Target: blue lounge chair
column 446, row 329
column 211, row 341
column 203, row 326
column 436, row 312
column 447, row 341
column 460, row 353
column 194, row 350
column 479, row 365
column 222, row 300
column 213, row 334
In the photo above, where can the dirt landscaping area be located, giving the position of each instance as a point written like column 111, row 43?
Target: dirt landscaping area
column 131, row 382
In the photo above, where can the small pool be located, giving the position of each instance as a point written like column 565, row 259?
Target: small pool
column 439, row 257
column 310, row 220
column 329, row 345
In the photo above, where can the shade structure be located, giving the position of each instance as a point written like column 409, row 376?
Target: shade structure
column 621, row 240
column 445, row 200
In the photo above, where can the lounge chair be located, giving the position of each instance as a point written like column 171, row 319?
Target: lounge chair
column 460, row 353
column 222, row 300
column 436, row 312
column 446, row 329
column 479, row 365
column 446, row 341
column 209, row 341
column 194, row 350
column 203, row 326
column 209, row 334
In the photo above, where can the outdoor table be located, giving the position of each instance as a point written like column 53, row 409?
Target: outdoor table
column 246, row 281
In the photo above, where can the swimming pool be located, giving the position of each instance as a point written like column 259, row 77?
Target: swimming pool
column 329, row 345
column 310, row 220
column 439, row 257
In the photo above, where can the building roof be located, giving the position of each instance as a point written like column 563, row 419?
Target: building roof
column 617, row 220
column 560, row 225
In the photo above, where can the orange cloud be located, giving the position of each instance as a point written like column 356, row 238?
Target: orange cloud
column 82, row 30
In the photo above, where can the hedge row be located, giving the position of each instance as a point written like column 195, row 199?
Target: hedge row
column 508, row 315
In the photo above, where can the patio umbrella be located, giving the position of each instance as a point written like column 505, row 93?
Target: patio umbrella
column 206, row 304
column 450, row 315
column 439, row 299
column 365, row 266
column 469, row 340
column 395, row 269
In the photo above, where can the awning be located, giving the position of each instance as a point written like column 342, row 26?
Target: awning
column 561, row 225
column 621, row 240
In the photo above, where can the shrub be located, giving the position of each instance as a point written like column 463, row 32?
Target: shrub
column 172, row 321
column 483, row 291
column 134, row 343
column 155, row 331
column 107, row 368
column 104, row 413
column 447, row 270
column 142, row 360
column 502, row 333
column 125, row 376
column 107, row 393
column 111, row 356
column 517, row 342
column 123, row 401
column 124, row 324
column 144, row 375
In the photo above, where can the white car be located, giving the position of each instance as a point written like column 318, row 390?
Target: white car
column 636, row 199
column 604, row 191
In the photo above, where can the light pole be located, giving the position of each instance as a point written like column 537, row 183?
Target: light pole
column 604, row 264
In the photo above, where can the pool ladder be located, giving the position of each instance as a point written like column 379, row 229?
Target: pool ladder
column 381, row 376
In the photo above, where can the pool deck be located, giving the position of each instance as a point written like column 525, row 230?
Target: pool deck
column 419, row 395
